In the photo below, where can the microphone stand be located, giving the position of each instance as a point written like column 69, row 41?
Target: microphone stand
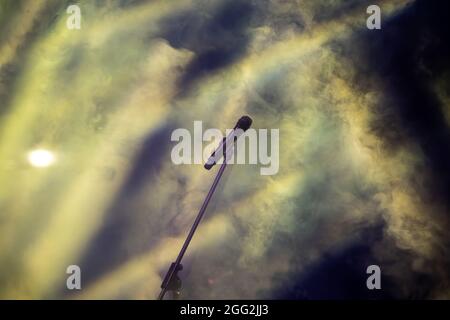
column 171, row 281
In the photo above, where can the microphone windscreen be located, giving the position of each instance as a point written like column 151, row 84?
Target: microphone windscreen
column 244, row 123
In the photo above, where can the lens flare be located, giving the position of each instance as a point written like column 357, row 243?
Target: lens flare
column 41, row 158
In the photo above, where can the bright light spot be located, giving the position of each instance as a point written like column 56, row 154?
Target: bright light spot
column 41, row 158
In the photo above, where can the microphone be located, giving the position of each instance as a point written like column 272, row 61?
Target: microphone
column 227, row 143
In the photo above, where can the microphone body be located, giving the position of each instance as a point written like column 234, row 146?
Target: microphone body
column 226, row 146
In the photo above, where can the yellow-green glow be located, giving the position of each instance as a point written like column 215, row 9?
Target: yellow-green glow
column 95, row 96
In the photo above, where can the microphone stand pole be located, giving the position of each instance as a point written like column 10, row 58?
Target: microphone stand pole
column 176, row 266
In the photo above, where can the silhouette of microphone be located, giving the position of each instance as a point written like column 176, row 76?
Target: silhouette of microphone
column 171, row 281
column 222, row 150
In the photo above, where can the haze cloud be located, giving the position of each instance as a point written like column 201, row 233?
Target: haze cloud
column 364, row 133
